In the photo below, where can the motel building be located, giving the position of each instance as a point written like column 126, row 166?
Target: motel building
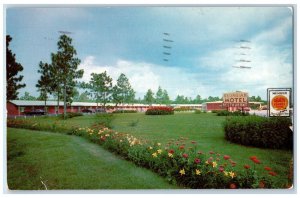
column 20, row 107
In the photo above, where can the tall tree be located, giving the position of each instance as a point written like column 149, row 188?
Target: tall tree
column 159, row 96
column 44, row 83
column 65, row 63
column 198, row 99
column 123, row 92
column 100, row 87
column 12, row 70
column 149, row 97
column 27, row 96
column 165, row 98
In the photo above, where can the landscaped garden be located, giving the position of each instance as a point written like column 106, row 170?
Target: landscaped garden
column 188, row 150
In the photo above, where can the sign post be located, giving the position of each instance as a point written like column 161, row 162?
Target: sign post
column 279, row 102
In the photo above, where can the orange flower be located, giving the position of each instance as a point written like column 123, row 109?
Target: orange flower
column 272, row 173
column 246, row 166
column 232, row 186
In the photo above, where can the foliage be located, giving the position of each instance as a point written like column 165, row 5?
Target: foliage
column 124, row 111
column 12, row 69
column 122, row 91
column 27, row 96
column 149, row 97
column 72, row 115
column 258, row 131
column 234, row 113
column 160, row 111
column 183, row 109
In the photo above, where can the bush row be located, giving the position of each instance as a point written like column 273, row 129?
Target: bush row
column 228, row 113
column 160, row 111
column 125, row 111
column 258, row 131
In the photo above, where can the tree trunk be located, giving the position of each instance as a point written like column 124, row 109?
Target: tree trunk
column 65, row 100
column 57, row 112
column 45, row 108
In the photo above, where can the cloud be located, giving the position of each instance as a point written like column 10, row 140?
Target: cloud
column 143, row 76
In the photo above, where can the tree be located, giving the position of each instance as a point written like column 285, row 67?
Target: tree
column 27, row 96
column 149, row 97
column 65, row 65
column 198, row 100
column 44, row 83
column 122, row 91
column 159, row 96
column 100, row 87
column 165, row 97
column 12, row 70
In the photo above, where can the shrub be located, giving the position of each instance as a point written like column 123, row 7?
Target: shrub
column 125, row 111
column 235, row 113
column 179, row 109
column 259, row 131
column 71, row 115
column 160, row 111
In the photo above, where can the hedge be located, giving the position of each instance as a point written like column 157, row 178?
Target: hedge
column 260, row 131
column 160, row 111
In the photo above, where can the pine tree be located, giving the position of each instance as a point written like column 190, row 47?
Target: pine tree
column 12, row 70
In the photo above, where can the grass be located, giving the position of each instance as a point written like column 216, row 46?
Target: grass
column 70, row 162
column 206, row 129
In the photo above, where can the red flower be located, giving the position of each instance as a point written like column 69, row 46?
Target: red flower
column 211, row 152
column 233, row 164
column 261, row 184
column 246, row 166
column 267, row 168
column 253, row 157
column 185, row 155
column 197, row 160
column 272, row 173
column 181, row 147
column 232, row 186
column 171, row 151
column 226, row 157
column 256, row 161
column 221, row 169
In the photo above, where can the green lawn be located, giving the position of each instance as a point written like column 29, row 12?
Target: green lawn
column 70, row 162
column 206, row 129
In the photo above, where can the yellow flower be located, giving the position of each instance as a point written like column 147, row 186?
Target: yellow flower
column 158, row 144
column 150, row 148
column 159, row 151
column 231, row 174
column 214, row 164
column 170, row 155
column 198, row 172
column 206, row 162
column 121, row 140
column 225, row 173
column 182, row 172
column 154, row 154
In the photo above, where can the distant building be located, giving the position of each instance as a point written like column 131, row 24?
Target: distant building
column 219, row 105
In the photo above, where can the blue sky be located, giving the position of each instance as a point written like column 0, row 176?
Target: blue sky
column 130, row 40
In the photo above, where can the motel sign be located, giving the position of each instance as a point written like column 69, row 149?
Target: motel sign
column 235, row 99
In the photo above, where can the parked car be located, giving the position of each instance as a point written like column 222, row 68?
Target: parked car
column 35, row 112
column 87, row 111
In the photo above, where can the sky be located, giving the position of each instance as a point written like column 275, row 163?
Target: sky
column 209, row 43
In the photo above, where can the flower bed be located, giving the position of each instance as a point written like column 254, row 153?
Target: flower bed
column 160, row 111
column 180, row 164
